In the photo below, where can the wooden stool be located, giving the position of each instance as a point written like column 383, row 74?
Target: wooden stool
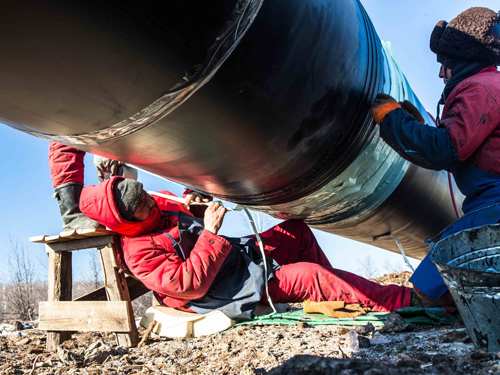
column 107, row 309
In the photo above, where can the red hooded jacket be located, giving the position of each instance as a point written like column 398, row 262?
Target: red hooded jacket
column 149, row 253
column 471, row 115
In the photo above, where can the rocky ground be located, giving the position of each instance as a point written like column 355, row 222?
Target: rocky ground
column 399, row 348
column 401, row 279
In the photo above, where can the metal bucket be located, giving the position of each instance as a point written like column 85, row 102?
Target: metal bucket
column 469, row 262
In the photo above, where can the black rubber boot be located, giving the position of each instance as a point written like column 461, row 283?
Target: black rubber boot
column 68, row 197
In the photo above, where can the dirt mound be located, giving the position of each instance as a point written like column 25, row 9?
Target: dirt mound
column 256, row 350
column 248, row 350
column 400, row 279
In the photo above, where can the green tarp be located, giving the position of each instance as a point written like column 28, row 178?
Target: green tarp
column 417, row 315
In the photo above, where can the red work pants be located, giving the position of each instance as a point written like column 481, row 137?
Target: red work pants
column 66, row 164
column 306, row 274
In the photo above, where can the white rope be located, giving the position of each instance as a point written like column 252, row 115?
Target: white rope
column 183, row 200
column 261, row 246
column 400, row 247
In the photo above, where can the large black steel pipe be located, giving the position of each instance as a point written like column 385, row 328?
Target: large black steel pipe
column 288, row 106
column 258, row 102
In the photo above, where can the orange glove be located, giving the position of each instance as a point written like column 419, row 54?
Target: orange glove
column 382, row 106
column 335, row 309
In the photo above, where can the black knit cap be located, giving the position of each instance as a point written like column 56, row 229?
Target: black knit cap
column 127, row 194
column 473, row 35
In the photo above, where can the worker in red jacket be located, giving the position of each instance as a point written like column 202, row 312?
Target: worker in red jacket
column 466, row 141
column 190, row 267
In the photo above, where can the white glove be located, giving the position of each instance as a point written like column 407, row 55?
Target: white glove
column 106, row 168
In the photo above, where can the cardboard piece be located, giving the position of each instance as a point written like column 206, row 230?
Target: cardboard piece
column 176, row 323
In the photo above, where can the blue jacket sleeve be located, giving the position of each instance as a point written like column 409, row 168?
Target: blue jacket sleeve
column 423, row 145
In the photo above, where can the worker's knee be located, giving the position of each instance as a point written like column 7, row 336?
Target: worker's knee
column 300, row 281
column 295, row 227
column 304, row 275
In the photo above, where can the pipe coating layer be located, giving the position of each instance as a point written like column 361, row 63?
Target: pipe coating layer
column 259, row 102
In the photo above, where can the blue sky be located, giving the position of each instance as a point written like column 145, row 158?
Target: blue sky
column 26, row 192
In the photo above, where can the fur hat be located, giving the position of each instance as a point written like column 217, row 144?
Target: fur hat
column 127, row 195
column 473, row 35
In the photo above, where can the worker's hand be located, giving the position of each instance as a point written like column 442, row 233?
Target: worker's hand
column 382, row 105
column 195, row 197
column 214, row 215
column 105, row 165
column 381, row 100
column 412, row 110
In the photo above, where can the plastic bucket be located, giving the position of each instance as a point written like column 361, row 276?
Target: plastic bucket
column 469, row 262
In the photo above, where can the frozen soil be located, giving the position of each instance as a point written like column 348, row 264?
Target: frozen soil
column 301, row 349
column 401, row 279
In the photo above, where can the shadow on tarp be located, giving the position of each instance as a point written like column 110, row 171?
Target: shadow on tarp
column 416, row 315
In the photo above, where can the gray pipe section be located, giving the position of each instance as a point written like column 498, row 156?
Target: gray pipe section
column 259, row 102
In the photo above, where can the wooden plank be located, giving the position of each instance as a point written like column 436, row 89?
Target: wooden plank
column 88, row 316
column 60, row 285
column 117, row 290
column 135, row 287
column 85, row 233
column 86, row 243
column 54, row 238
column 38, row 239
column 71, row 235
column 96, row 232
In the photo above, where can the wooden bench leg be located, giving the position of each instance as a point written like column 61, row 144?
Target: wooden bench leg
column 117, row 290
column 60, row 285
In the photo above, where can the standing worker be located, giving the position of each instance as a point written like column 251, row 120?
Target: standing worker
column 466, row 141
